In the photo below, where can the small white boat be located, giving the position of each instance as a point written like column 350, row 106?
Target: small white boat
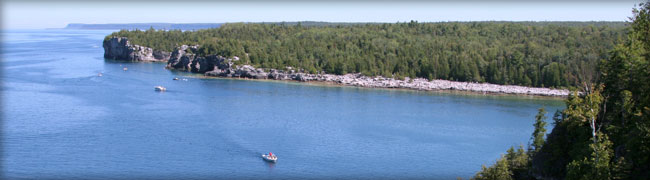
column 270, row 157
column 125, row 68
column 160, row 88
column 175, row 78
column 100, row 74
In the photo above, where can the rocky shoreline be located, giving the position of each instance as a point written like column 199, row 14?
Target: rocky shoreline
column 119, row 48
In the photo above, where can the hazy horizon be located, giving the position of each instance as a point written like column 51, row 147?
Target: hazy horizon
column 41, row 15
column 331, row 22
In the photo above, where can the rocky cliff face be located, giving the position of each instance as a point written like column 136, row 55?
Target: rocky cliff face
column 181, row 59
column 212, row 65
column 119, row 48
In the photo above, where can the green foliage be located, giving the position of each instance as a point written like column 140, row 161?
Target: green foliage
column 499, row 171
column 597, row 165
column 542, row 54
column 518, row 162
column 557, row 117
column 514, row 165
column 626, row 76
column 539, row 132
column 604, row 133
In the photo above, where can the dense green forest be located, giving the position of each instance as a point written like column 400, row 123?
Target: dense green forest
column 541, row 54
column 603, row 133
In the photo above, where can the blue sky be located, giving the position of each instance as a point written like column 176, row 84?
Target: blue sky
column 57, row 14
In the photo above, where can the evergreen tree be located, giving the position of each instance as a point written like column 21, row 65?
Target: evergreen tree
column 604, row 132
column 597, row 165
column 539, row 132
column 498, row 171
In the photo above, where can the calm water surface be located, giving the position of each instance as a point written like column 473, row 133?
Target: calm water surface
column 62, row 121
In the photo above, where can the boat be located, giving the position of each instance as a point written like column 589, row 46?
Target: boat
column 125, row 68
column 270, row 157
column 160, row 88
column 100, row 74
column 175, row 78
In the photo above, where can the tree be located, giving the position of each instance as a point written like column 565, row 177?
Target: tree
column 604, row 132
column 518, row 162
column 557, row 117
column 539, row 132
column 498, row 171
column 597, row 165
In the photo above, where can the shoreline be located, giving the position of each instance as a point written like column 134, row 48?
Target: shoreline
column 358, row 80
column 446, row 91
column 335, row 84
column 182, row 59
column 332, row 83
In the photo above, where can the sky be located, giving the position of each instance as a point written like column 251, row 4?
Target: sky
column 34, row 14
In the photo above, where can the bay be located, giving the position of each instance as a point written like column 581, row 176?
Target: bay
column 63, row 121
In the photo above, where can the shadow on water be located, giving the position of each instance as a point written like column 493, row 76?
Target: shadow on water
column 271, row 165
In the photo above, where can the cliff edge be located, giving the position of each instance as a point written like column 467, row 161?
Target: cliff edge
column 119, row 48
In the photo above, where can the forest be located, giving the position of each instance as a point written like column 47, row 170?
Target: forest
column 603, row 133
column 539, row 54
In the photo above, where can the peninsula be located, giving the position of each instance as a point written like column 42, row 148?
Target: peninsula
column 119, row 48
column 486, row 57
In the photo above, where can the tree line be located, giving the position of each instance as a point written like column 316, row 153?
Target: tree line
column 603, row 133
column 540, row 54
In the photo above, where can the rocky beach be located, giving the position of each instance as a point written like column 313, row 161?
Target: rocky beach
column 119, row 48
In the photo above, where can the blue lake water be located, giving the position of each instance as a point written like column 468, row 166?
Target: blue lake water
column 62, row 121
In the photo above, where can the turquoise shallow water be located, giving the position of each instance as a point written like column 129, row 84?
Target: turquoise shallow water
column 62, row 121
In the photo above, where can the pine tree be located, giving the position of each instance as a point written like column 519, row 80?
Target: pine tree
column 539, row 132
column 597, row 165
column 498, row 171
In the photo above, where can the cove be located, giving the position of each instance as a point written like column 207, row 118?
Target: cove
column 62, row 121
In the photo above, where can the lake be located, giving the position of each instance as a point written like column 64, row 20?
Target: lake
column 63, row 121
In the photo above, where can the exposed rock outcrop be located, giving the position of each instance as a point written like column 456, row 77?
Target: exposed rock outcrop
column 213, row 65
column 249, row 71
column 181, row 59
column 119, row 48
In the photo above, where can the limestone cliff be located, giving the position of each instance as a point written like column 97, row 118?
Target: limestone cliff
column 119, row 48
